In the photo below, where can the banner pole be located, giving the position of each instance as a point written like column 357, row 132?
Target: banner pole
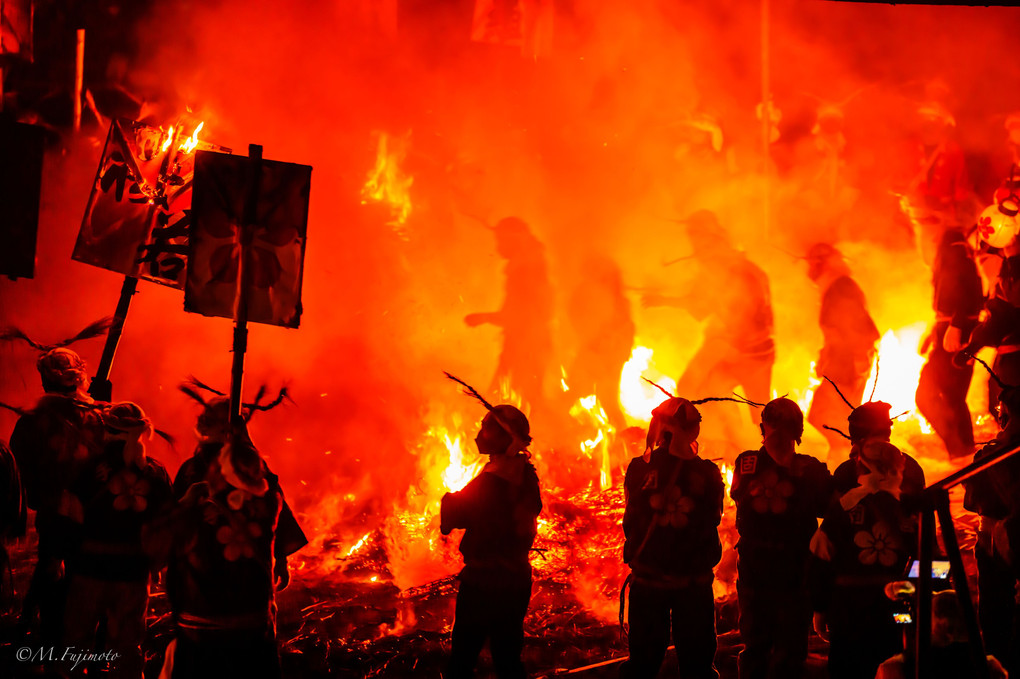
column 246, row 234
column 101, row 388
column 79, row 76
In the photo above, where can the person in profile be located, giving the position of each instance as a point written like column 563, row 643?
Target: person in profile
column 498, row 511
column 525, row 317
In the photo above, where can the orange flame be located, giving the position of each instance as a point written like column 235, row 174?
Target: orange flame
column 190, row 143
column 169, row 139
column 589, row 408
column 387, row 183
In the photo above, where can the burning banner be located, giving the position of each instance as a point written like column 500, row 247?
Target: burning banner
column 527, row 24
column 138, row 214
column 276, row 250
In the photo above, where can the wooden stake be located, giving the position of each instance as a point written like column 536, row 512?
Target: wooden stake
column 766, row 118
column 246, row 234
column 79, row 77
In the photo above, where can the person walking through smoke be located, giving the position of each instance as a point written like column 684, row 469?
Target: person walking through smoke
column 674, row 503
column 732, row 296
column 849, row 344
column 942, row 388
column 600, row 315
column 525, row 316
column 779, row 494
column 498, row 511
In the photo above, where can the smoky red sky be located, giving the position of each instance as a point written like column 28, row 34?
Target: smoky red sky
column 593, row 144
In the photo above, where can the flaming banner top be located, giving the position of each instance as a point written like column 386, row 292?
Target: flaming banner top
column 138, row 214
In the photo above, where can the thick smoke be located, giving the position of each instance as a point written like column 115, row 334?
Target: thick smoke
column 597, row 145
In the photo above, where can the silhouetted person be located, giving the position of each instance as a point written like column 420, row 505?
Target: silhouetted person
column 942, row 387
column 51, row 444
column 849, row 344
column 780, row 494
column 119, row 492
column 219, row 540
column 869, row 422
column 214, row 431
column 865, row 541
column 732, row 296
column 993, row 494
column 599, row 313
column 1000, row 329
column 525, row 316
column 934, row 179
column 671, row 524
column 498, row 511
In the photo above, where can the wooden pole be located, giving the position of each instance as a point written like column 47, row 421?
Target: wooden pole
column 101, row 388
column 766, row 118
column 79, row 77
column 926, row 546
column 960, row 584
column 246, row 234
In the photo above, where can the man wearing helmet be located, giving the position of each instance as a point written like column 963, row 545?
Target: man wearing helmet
column 779, row 494
column 849, row 349
column 671, row 525
column 942, row 388
column 498, row 511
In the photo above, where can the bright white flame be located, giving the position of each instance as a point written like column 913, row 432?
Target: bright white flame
column 457, row 474
column 897, row 369
column 637, row 397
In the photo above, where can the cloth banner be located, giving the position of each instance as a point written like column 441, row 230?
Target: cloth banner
column 527, row 24
column 16, row 28
column 136, row 221
column 277, row 249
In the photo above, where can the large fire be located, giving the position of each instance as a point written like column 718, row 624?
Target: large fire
column 588, row 147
